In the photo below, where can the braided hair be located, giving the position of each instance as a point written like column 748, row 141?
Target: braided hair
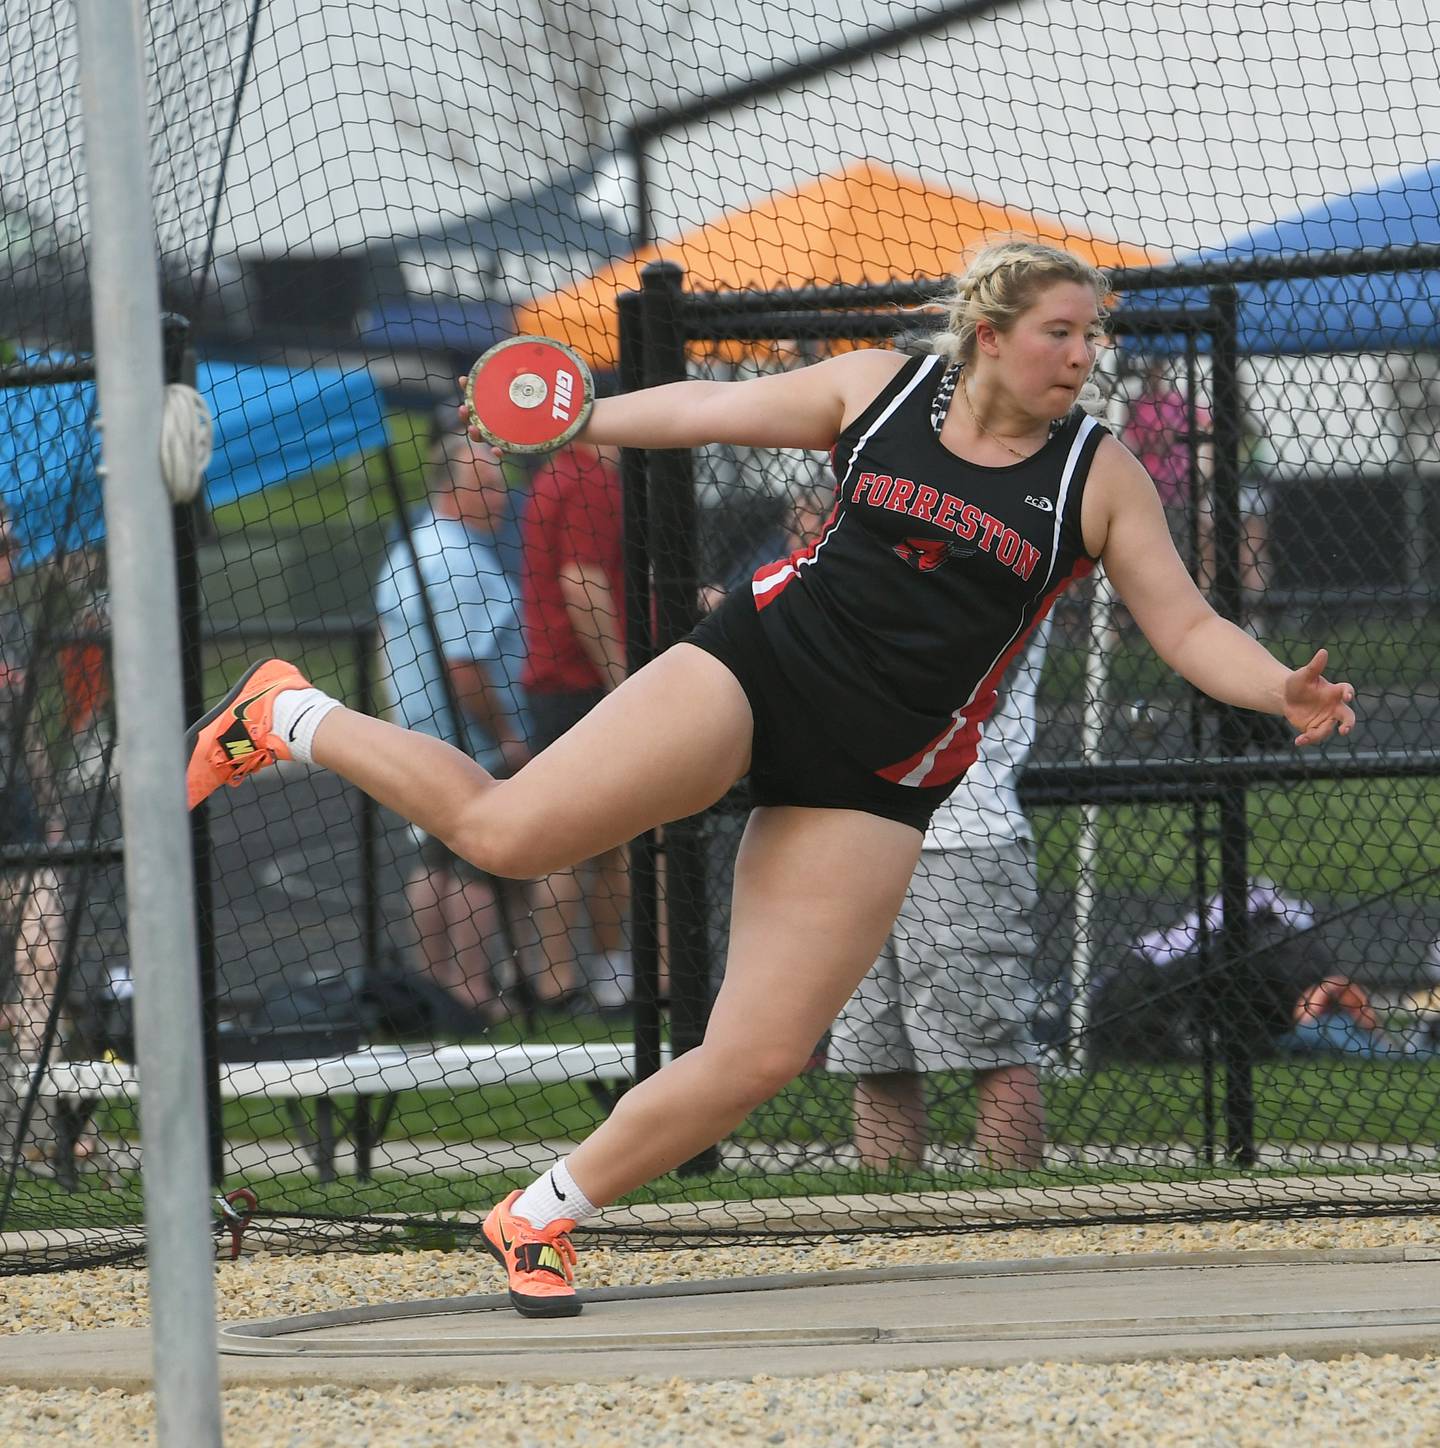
column 1002, row 282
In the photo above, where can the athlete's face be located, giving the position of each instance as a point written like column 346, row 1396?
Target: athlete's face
column 1047, row 354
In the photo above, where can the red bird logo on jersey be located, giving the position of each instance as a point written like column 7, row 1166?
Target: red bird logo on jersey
column 925, row 555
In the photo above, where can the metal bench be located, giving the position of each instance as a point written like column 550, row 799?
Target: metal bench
column 607, row 1067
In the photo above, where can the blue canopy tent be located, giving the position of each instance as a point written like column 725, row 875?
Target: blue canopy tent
column 1382, row 311
column 271, row 425
column 435, row 324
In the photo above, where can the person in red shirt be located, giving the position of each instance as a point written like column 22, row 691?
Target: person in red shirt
column 573, row 616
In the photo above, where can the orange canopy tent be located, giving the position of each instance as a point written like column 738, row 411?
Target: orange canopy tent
column 864, row 224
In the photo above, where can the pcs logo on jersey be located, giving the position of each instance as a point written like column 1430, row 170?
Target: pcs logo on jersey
column 925, row 555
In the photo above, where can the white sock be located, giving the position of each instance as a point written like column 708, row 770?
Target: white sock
column 297, row 716
column 553, row 1195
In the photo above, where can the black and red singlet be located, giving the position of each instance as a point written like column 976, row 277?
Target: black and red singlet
column 897, row 623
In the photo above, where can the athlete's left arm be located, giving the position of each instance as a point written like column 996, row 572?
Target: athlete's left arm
column 1125, row 526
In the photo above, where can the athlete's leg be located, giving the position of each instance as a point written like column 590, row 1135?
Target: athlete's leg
column 816, row 892
column 667, row 743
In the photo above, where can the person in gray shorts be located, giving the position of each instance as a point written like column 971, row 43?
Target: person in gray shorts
column 954, row 989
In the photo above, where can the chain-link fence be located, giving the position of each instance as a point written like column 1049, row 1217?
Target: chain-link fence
column 1161, row 964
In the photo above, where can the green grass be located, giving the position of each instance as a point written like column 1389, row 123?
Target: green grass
column 1334, row 1102
column 1299, row 1104
column 1341, row 841
column 352, row 493
column 1374, row 651
column 1296, row 1102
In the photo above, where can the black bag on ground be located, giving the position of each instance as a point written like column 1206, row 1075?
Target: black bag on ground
column 323, row 1018
column 1142, row 1012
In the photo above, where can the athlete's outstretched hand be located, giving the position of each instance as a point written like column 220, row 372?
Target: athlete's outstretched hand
column 1314, row 705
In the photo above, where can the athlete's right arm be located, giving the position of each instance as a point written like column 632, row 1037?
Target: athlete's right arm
column 808, row 407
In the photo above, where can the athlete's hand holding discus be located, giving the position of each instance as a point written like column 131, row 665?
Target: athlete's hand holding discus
column 527, row 395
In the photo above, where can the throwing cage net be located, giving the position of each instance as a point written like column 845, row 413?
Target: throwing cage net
column 1161, row 965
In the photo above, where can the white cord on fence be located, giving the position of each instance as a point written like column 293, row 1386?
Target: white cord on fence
column 187, row 433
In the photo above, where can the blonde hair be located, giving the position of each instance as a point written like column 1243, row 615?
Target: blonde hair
column 1004, row 280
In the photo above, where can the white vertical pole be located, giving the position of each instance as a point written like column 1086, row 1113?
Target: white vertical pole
column 140, row 549
column 1103, row 636
column 1102, row 640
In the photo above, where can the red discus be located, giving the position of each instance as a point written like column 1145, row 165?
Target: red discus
column 529, row 394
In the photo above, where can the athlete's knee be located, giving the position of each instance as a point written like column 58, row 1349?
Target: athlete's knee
column 755, row 1072
column 496, row 833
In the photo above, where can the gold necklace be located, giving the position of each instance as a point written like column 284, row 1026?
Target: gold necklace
column 969, row 407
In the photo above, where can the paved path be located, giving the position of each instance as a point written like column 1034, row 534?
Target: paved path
column 1305, row 1304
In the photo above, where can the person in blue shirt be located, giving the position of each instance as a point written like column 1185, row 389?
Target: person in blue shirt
column 452, row 657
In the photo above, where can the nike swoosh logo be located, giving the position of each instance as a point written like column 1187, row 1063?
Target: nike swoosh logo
column 556, row 1189
column 241, row 707
column 504, row 1240
column 298, row 718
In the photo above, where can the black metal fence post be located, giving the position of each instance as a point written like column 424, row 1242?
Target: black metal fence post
column 639, row 650
column 180, row 367
column 671, row 506
column 1235, row 1008
column 366, row 643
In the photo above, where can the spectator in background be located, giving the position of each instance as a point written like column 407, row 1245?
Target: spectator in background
column 955, row 988
column 83, row 663
column 574, row 616
column 1163, row 996
column 746, row 494
column 472, row 662
column 1336, row 1018
column 30, row 908
column 805, row 511
column 1172, row 442
column 1257, row 468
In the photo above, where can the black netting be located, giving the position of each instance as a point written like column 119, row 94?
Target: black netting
column 1156, row 963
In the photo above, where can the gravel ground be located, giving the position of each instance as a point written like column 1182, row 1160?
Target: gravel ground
column 1267, row 1401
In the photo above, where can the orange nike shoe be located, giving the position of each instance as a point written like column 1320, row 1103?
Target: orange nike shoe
column 234, row 740
column 539, row 1262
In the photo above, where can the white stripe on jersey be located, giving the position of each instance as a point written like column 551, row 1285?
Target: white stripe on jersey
column 761, row 586
column 918, row 775
column 768, row 585
column 1087, row 426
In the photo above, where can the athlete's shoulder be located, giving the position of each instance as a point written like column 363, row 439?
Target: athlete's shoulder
column 876, row 362
column 1117, row 481
column 1114, row 460
column 866, row 373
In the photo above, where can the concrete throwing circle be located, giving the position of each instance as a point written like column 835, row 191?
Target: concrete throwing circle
column 1106, row 1308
